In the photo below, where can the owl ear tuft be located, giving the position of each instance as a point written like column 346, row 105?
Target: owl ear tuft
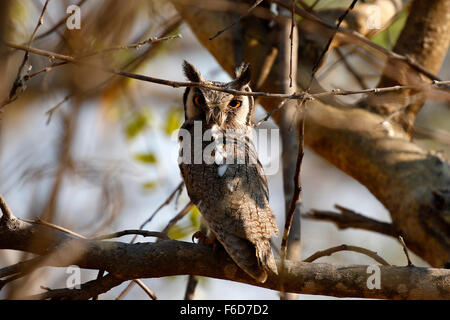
column 243, row 76
column 191, row 72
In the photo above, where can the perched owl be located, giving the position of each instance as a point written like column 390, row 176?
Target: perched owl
column 222, row 173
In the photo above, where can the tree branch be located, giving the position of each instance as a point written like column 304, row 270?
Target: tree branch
column 344, row 247
column 125, row 261
column 350, row 219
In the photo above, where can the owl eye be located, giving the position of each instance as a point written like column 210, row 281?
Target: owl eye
column 235, row 103
column 199, row 100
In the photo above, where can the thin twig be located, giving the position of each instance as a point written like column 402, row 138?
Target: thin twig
column 146, row 289
column 405, row 250
column 344, row 247
column 330, row 40
column 178, row 217
column 352, row 70
column 350, row 219
column 165, row 203
column 296, row 198
column 177, row 190
column 178, row 84
column 46, row 69
column 58, row 24
column 50, row 111
column 18, row 82
column 137, row 45
column 54, row 226
column 126, row 290
column 7, row 213
column 237, row 20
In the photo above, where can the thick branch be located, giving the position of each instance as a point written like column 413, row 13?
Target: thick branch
column 125, row 261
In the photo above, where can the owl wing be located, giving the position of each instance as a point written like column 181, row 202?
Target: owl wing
column 234, row 202
column 236, row 209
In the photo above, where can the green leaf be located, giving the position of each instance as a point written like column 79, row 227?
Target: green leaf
column 174, row 120
column 388, row 37
column 194, row 217
column 139, row 123
column 176, row 232
column 147, row 158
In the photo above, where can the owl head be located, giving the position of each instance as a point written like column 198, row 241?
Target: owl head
column 219, row 108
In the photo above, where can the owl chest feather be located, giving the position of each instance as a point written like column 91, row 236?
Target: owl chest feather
column 232, row 191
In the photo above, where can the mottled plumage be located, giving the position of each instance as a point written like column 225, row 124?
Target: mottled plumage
column 228, row 185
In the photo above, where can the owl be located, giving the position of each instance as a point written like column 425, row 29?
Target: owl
column 222, row 173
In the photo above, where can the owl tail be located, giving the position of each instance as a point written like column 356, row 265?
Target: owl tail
column 255, row 260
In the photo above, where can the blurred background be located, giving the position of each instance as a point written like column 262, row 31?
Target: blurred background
column 95, row 153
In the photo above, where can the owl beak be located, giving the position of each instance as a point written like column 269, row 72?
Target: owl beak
column 216, row 115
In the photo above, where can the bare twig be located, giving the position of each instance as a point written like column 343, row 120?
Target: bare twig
column 405, row 250
column 58, row 24
column 296, row 198
column 177, row 84
column 54, row 226
column 344, row 247
column 18, row 82
column 137, row 45
column 350, row 219
column 257, row 2
column 146, row 289
column 178, row 217
column 126, row 290
column 165, row 203
column 173, row 221
column 327, row 46
column 177, row 190
column 7, row 213
column 46, row 69
column 352, row 70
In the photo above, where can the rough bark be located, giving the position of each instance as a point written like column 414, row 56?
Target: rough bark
column 413, row 184
column 124, row 261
